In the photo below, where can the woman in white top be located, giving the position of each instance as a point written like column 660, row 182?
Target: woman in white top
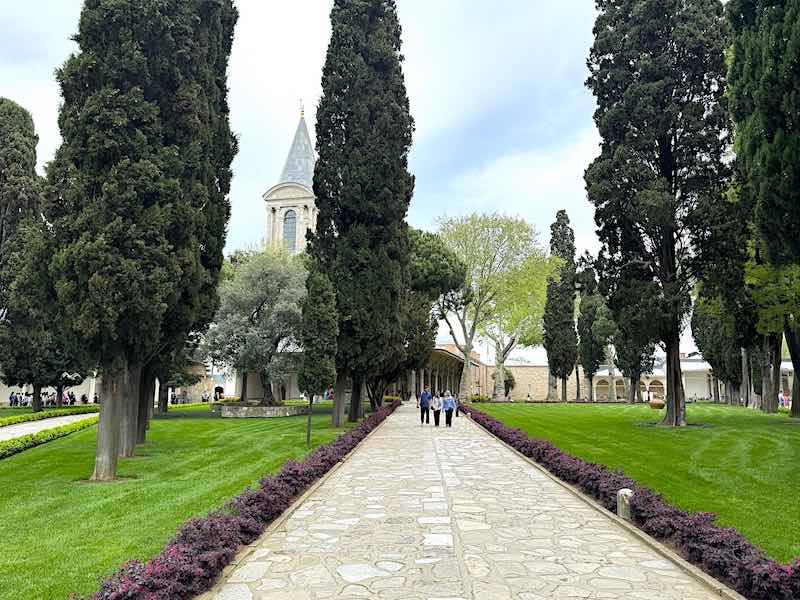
column 436, row 406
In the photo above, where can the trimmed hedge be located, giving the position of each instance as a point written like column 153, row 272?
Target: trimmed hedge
column 192, row 561
column 721, row 552
column 16, row 445
column 49, row 414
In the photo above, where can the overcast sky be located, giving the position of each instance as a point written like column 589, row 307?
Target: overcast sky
column 503, row 119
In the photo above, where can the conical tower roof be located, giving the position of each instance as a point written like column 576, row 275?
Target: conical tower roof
column 299, row 167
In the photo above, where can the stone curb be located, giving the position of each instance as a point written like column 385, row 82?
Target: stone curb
column 250, row 548
column 696, row 573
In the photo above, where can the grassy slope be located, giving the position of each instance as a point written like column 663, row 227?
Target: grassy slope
column 743, row 466
column 61, row 534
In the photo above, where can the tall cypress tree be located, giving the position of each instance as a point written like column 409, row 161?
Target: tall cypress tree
column 764, row 84
column 20, row 186
column 363, row 187
column 139, row 180
column 657, row 70
column 560, row 338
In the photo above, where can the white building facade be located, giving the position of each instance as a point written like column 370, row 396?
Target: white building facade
column 290, row 207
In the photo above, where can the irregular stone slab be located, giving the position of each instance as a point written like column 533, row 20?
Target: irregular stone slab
column 387, row 526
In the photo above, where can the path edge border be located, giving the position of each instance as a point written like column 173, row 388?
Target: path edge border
column 248, row 549
column 696, row 573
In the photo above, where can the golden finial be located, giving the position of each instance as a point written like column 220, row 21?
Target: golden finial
column 302, row 109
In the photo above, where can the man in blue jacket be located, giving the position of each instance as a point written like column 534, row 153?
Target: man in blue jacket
column 424, row 406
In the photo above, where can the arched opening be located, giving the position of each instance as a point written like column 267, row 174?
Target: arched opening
column 290, row 230
column 656, row 390
column 619, row 386
column 642, row 392
column 601, row 391
column 283, row 393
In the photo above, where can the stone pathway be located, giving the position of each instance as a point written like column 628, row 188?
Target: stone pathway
column 13, row 431
column 419, row 513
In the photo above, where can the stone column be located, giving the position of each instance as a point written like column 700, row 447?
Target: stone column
column 275, row 223
column 268, row 232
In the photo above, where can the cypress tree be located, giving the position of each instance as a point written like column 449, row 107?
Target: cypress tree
column 318, row 334
column 138, row 204
column 560, row 338
column 363, row 188
column 657, row 70
column 20, row 186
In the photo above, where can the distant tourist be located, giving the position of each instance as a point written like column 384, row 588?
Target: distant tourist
column 449, row 405
column 205, row 396
column 436, row 407
column 424, row 404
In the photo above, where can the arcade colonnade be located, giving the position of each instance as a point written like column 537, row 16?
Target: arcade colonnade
column 442, row 373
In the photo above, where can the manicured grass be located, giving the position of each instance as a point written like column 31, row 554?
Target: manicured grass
column 742, row 465
column 61, row 534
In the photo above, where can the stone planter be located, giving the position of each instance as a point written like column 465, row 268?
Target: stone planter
column 657, row 404
column 261, row 412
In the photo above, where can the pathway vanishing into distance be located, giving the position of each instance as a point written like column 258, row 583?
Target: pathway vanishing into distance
column 10, row 432
column 419, row 513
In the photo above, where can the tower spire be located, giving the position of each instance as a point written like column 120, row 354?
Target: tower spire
column 299, row 166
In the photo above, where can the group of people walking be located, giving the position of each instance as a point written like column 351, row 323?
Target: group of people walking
column 436, row 403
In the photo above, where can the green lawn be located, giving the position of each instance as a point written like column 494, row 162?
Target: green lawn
column 742, row 465
column 61, row 534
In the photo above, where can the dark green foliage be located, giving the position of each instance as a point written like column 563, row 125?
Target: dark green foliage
column 764, row 83
column 362, row 184
column 714, row 332
column 20, row 186
column 560, row 339
column 657, row 70
column 591, row 348
column 509, row 382
column 318, row 335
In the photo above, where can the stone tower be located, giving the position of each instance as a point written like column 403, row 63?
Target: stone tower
column 291, row 210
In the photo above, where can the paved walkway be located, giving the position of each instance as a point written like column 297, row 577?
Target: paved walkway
column 13, row 431
column 419, row 513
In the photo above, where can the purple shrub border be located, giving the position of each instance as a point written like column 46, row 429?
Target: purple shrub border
column 721, row 552
column 192, row 561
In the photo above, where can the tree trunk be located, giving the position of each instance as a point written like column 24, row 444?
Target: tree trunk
column 337, row 419
column 269, row 398
column 355, row 401
column 243, row 396
column 564, row 390
column 163, row 395
column 147, row 389
column 793, row 342
column 746, row 386
column 115, row 385
column 676, row 403
column 632, row 391
column 736, row 394
column 768, row 392
column 777, row 343
column 639, row 398
column 465, row 385
column 36, row 399
column 612, row 386
column 552, row 387
column 60, row 395
column 591, row 389
column 577, row 384
column 500, row 373
column 715, row 390
column 310, row 414
column 129, row 421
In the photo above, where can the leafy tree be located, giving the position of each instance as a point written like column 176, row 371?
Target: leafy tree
column 657, row 70
column 560, row 339
column 517, row 310
column 318, row 334
column 764, row 78
column 713, row 329
column 591, row 346
column 258, row 325
column 363, row 188
column 20, row 186
column 121, row 266
column 491, row 246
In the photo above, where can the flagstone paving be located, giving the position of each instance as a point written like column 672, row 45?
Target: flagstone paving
column 9, row 432
column 419, row 513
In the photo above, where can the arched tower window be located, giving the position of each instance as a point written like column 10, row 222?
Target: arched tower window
column 290, row 230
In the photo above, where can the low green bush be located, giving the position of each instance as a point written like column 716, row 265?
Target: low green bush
column 478, row 398
column 16, row 445
column 48, row 414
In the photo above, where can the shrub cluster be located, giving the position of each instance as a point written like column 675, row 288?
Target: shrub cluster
column 193, row 560
column 15, row 445
column 49, row 414
column 478, row 398
column 721, row 552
